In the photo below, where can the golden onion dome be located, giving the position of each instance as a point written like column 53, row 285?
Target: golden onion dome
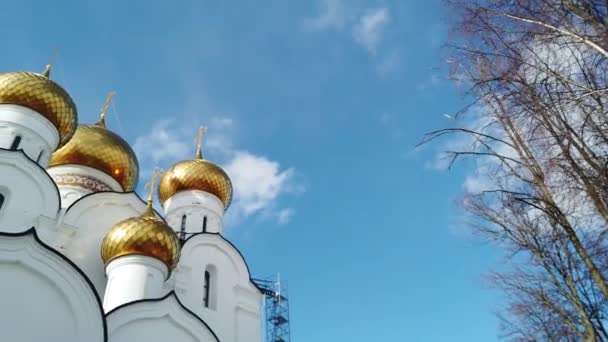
column 98, row 147
column 196, row 174
column 38, row 93
column 142, row 235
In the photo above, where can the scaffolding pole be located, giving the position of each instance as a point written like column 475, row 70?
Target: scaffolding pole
column 276, row 304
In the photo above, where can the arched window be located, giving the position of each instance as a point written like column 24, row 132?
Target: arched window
column 182, row 229
column 205, row 224
column 207, row 288
column 16, row 142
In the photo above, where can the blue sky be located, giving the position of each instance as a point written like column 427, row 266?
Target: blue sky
column 314, row 108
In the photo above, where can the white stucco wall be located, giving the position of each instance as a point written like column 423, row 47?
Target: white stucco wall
column 157, row 320
column 43, row 297
column 29, row 193
column 235, row 313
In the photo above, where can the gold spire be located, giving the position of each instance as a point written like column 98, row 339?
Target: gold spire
column 199, row 146
column 150, row 185
column 104, row 110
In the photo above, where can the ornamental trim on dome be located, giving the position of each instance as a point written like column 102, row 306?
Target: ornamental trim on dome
column 82, row 181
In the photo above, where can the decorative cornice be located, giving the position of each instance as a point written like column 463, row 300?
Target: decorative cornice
column 81, row 181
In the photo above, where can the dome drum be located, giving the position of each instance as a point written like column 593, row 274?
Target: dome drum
column 194, row 199
column 195, row 211
column 23, row 129
column 133, row 277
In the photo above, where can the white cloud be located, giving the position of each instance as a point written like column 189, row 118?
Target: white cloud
column 332, row 16
column 257, row 180
column 370, row 27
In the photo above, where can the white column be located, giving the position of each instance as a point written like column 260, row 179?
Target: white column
column 197, row 209
column 75, row 181
column 38, row 137
column 131, row 278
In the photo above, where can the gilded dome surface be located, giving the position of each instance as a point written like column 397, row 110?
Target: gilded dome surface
column 143, row 235
column 197, row 174
column 98, row 147
column 40, row 94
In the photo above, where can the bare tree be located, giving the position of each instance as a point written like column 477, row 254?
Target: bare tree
column 537, row 71
column 546, row 286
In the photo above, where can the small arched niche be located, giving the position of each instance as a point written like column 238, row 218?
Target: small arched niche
column 210, row 287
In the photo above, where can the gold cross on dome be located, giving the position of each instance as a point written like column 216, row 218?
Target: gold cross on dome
column 104, row 109
column 199, row 142
column 47, row 70
column 150, row 185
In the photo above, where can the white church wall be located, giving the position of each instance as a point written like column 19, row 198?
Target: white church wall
column 43, row 296
column 28, row 192
column 91, row 218
column 235, row 306
column 157, row 320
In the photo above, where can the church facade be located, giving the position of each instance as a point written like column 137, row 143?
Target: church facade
column 84, row 258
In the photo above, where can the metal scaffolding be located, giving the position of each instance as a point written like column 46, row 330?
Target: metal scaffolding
column 276, row 305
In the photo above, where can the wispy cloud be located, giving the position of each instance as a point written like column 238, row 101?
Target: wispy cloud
column 366, row 27
column 285, row 215
column 161, row 143
column 370, row 27
column 331, row 16
column 258, row 181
